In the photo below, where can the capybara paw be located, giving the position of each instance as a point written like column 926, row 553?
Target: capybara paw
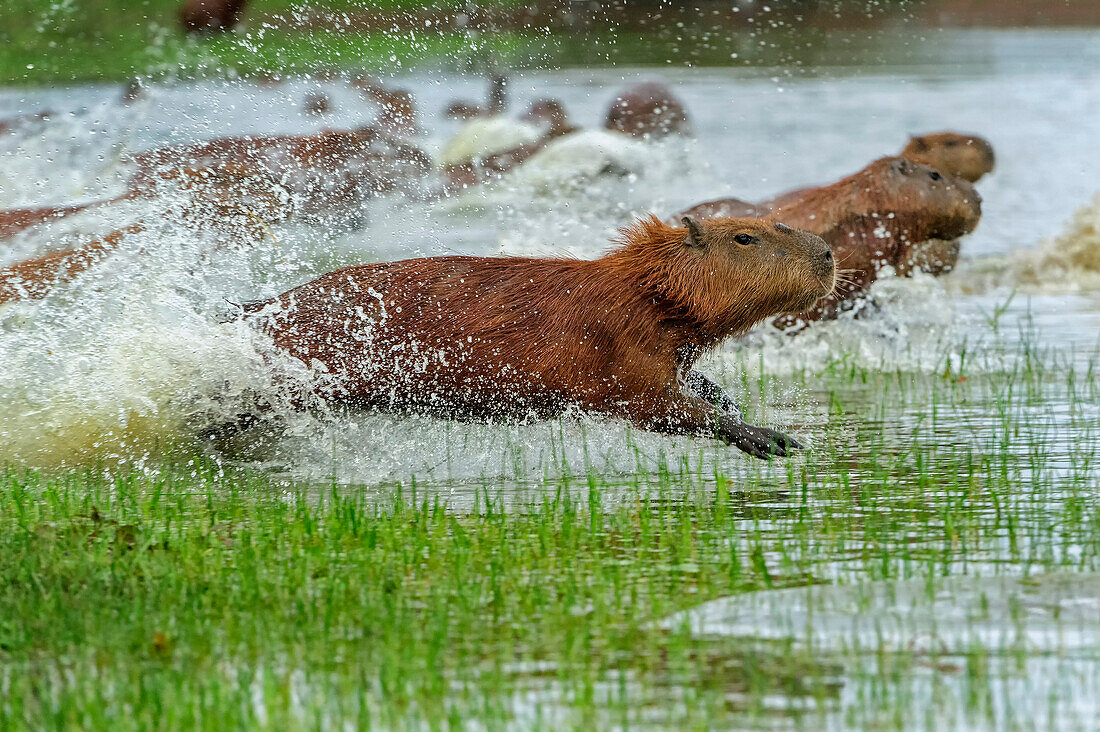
column 760, row 442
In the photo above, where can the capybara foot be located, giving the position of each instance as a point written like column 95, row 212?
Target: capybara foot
column 760, row 442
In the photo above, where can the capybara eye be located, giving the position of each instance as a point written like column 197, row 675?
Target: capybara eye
column 934, row 175
column 952, row 143
column 745, row 239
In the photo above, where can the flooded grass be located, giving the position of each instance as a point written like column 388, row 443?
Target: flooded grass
column 202, row 595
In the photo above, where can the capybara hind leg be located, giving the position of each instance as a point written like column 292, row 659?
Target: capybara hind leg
column 710, row 391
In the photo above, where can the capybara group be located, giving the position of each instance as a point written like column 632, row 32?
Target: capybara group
column 882, row 215
column 521, row 338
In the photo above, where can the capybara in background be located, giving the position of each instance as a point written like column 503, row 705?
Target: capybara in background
column 522, row 338
column 550, row 112
column 963, row 156
column 954, row 153
column 210, row 16
column 327, row 174
column 36, row 278
column 647, row 109
column 882, row 215
column 230, row 205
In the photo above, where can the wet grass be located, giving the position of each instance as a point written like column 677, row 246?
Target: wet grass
column 200, row 596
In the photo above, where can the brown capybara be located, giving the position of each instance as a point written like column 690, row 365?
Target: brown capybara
column 519, row 338
column 496, row 104
column 203, row 206
column 36, row 278
column 963, row 156
column 954, row 153
column 210, row 16
column 14, row 220
column 325, row 175
column 649, row 109
column 881, row 216
column 331, row 172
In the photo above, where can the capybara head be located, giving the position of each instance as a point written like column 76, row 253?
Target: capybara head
column 649, row 109
column 940, row 206
column 733, row 272
column 963, row 156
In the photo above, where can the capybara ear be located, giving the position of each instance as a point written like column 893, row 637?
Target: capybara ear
column 695, row 233
column 919, row 143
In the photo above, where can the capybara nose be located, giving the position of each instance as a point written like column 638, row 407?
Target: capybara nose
column 828, row 255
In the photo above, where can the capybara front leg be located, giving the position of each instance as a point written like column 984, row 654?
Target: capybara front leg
column 676, row 413
column 760, row 442
column 707, row 390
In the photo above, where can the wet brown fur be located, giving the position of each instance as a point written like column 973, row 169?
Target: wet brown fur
column 36, row 278
column 880, row 216
column 331, row 172
column 478, row 337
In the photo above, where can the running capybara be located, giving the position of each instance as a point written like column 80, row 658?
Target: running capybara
column 202, row 206
column 521, row 338
column 881, row 216
column 36, row 278
column 331, row 172
column 229, row 185
column 963, row 156
column 648, row 109
column 954, row 153
column 210, row 16
column 325, row 175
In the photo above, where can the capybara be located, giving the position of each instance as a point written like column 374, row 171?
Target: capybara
column 954, row 153
column 232, row 206
column 648, row 109
column 14, row 220
column 36, row 278
column 210, row 16
column 882, row 215
column 524, row 338
column 327, row 174
column 496, row 104
column 964, row 156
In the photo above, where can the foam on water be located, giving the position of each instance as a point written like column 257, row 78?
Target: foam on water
column 1069, row 262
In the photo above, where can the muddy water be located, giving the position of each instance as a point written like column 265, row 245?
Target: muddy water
column 129, row 360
